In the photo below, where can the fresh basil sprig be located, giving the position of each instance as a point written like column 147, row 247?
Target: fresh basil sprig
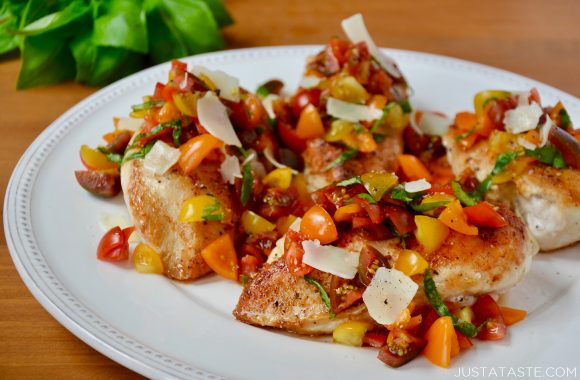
column 323, row 295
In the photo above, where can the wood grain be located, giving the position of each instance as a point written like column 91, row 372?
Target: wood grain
column 536, row 38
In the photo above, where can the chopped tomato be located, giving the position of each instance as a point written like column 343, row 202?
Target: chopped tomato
column 220, row 256
column 376, row 339
column 369, row 261
column 195, row 150
column 361, row 222
column 464, row 342
column 454, row 218
column 290, row 138
column 401, row 219
column 249, row 265
column 483, row 214
column 401, row 348
column 114, row 245
column 343, row 294
column 347, row 212
column 293, row 253
column 442, row 342
column 373, row 210
column 177, row 64
column 309, row 124
column 318, row 224
column 339, row 48
column 146, row 260
column 413, row 168
column 487, row 311
column 95, row 160
column 512, row 316
column 303, row 98
column 168, row 112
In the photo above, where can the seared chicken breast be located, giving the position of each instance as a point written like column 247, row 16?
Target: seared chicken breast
column 319, row 154
column 154, row 202
column 276, row 298
column 548, row 199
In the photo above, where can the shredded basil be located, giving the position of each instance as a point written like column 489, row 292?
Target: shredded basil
column 148, row 105
column 140, row 154
column 323, row 295
column 262, row 92
column 386, row 109
column 176, row 135
column 466, row 328
column 500, row 163
column 368, row 197
column 113, row 157
column 351, row 181
column 548, row 155
column 465, row 135
column 400, row 194
column 428, row 206
column 208, row 212
column 244, row 279
column 467, row 199
column 342, row 158
column 247, row 184
column 173, row 124
column 405, row 106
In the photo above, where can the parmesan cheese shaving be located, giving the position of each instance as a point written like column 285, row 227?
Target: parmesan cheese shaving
column 523, row 118
column 228, row 85
column 310, row 81
column 388, row 294
column 330, row 259
column 161, row 158
column 417, row 186
column 351, row 112
column 267, row 102
column 213, row 116
column 270, row 157
column 230, row 169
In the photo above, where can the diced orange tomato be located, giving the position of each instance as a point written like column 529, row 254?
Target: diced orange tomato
column 299, row 184
column 465, row 121
column 220, row 256
column 95, row 160
column 454, row 218
column 378, row 101
column 347, row 212
column 430, row 232
column 464, row 342
column 168, row 113
column 483, row 214
column 196, row 149
column 413, row 168
column 318, row 224
column 442, row 342
column 146, row 260
column 511, row 316
column 309, row 124
column 284, row 223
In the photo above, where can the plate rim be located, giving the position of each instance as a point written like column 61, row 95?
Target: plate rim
column 16, row 209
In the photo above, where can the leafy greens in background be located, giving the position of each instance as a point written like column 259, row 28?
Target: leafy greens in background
column 98, row 41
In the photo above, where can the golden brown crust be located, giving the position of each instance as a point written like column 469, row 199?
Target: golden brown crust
column 154, row 202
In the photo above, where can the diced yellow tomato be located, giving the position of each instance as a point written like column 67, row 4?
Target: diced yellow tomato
column 186, row 103
column 194, row 208
column 436, row 198
column 395, row 120
column 95, row 160
column 442, row 342
column 413, row 167
column 365, row 142
column 483, row 97
column 146, row 260
column 430, row 232
column 350, row 333
column 411, row 262
column 454, row 218
column 513, row 170
column 196, row 149
column 378, row 183
column 346, row 213
column 280, row 178
column 466, row 314
column 284, row 223
column 347, row 88
column 318, row 224
column 220, row 256
column 255, row 224
column 500, row 141
column 299, row 184
column 339, row 130
column 168, row 113
column 511, row 316
column 309, row 124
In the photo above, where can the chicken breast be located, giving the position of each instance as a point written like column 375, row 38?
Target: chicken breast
column 548, row 199
column 154, row 202
column 319, row 154
column 276, row 298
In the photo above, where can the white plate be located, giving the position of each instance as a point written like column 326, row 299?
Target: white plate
column 165, row 329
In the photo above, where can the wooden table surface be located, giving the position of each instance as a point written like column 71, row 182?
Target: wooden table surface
column 539, row 39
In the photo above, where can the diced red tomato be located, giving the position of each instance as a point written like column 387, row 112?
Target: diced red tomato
column 361, row 222
column 487, row 311
column 303, row 98
column 373, row 210
column 402, row 220
column 401, row 348
column 114, row 245
column 249, row 265
column 375, row 339
column 483, row 214
column 294, row 253
column 290, row 138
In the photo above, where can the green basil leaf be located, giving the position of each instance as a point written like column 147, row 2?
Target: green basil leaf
column 467, row 199
column 429, row 206
column 113, row 157
column 181, row 28
column 350, row 153
column 368, row 197
column 140, row 154
column 208, row 212
column 351, row 181
column 220, row 12
column 565, row 120
column 500, row 163
column 45, row 60
column 148, row 105
column 549, row 155
column 122, row 24
column 399, row 193
column 9, row 20
column 247, row 184
column 73, row 12
column 323, row 295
